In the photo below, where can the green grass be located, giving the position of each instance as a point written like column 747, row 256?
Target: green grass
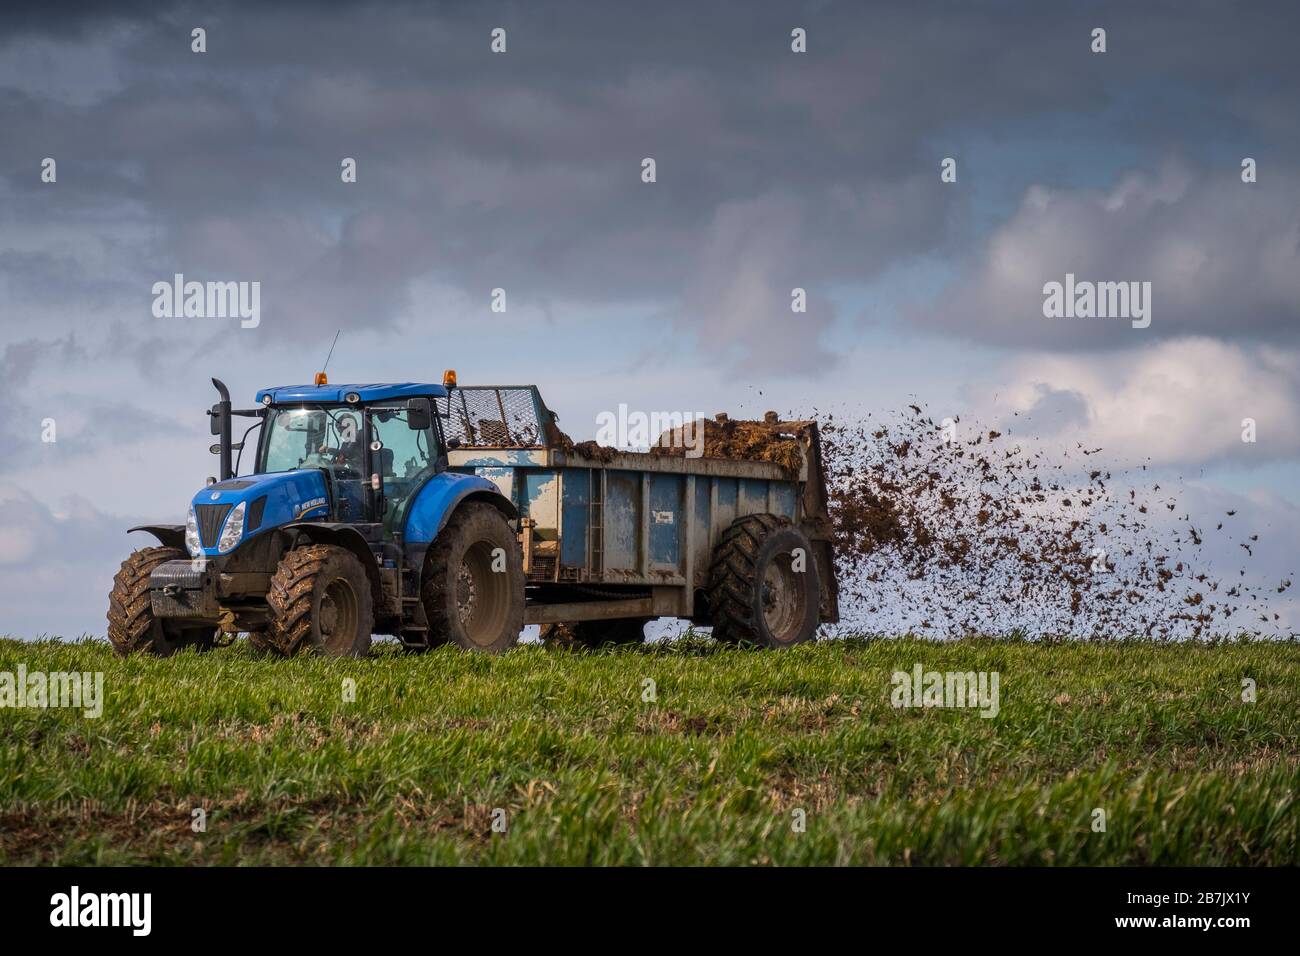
column 711, row 772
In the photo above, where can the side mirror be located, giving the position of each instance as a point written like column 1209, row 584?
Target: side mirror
column 419, row 416
column 214, row 420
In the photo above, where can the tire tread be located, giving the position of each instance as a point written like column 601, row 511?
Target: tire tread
column 732, row 577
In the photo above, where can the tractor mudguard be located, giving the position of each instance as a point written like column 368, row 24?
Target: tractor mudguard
column 438, row 498
column 168, row 535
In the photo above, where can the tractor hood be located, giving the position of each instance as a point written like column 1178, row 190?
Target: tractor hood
column 230, row 512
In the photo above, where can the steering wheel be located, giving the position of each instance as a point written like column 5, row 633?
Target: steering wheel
column 335, row 459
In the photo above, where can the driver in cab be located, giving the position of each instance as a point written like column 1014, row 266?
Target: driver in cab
column 349, row 456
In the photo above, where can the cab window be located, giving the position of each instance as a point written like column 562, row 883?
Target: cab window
column 403, row 457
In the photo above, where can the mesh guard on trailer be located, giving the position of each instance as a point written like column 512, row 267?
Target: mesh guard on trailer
column 494, row 416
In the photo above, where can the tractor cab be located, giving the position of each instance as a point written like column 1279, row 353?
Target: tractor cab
column 354, row 456
column 374, row 445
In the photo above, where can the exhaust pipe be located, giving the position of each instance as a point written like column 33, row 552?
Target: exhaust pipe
column 221, row 427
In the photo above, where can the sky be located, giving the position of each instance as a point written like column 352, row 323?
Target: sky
column 523, row 171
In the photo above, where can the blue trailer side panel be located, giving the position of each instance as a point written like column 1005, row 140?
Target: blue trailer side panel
column 622, row 520
column 665, row 521
column 575, row 508
column 784, row 499
column 725, row 513
column 542, row 500
column 625, row 526
column 753, row 496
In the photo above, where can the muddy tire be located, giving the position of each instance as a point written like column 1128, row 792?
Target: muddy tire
column 132, row 628
column 623, row 630
column 756, row 593
column 319, row 599
column 261, row 644
column 466, row 601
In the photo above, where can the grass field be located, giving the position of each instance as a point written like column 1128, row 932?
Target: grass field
column 712, row 771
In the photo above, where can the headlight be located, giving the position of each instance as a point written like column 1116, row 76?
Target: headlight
column 192, row 543
column 234, row 529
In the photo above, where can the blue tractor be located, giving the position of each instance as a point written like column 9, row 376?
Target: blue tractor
column 444, row 514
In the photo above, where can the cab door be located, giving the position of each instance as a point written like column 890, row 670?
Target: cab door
column 402, row 458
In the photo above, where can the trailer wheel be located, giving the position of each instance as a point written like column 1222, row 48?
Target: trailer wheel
column 763, row 584
column 319, row 598
column 132, row 628
column 623, row 630
column 473, row 583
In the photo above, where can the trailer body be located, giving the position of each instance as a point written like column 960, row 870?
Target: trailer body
column 639, row 520
column 627, row 519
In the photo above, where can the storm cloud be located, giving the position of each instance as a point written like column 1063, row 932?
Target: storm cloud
column 521, row 171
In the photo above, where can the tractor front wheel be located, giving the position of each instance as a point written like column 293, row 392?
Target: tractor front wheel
column 320, row 598
column 132, row 627
column 473, row 584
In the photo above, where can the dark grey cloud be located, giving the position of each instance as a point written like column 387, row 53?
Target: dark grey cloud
column 1222, row 258
column 57, row 564
column 83, row 425
column 20, row 359
column 520, row 171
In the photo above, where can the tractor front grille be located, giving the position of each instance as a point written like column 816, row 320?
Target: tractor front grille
column 211, row 518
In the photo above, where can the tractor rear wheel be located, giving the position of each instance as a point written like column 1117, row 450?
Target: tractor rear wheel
column 623, row 630
column 132, row 627
column 473, row 582
column 763, row 584
column 319, row 598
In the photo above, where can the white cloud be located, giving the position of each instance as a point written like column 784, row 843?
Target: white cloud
column 1176, row 402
